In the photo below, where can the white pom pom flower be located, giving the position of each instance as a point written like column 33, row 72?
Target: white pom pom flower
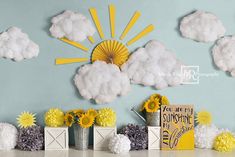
column 119, row 144
column 224, row 54
column 72, row 25
column 202, row 26
column 205, row 135
column 8, row 136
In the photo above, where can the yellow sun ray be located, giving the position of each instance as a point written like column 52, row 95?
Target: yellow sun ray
column 60, row 61
column 112, row 13
column 133, row 20
column 91, row 39
column 76, row 44
column 96, row 20
column 144, row 32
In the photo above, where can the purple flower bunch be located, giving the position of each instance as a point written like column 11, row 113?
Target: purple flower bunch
column 137, row 134
column 31, row 138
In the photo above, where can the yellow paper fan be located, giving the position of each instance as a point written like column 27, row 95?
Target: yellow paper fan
column 110, row 51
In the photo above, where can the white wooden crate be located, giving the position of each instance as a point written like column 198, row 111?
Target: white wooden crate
column 102, row 136
column 154, row 137
column 56, row 138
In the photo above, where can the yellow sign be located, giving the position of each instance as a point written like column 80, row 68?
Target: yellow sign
column 177, row 122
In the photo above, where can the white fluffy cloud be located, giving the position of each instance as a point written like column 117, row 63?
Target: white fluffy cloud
column 224, row 54
column 72, row 25
column 102, row 82
column 202, row 26
column 155, row 66
column 16, row 45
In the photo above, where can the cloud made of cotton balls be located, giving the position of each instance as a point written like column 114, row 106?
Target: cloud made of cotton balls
column 154, row 65
column 202, row 26
column 72, row 25
column 224, row 54
column 101, row 82
column 16, row 45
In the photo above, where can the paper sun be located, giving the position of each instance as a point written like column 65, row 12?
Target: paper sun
column 204, row 118
column 26, row 119
column 154, row 65
column 224, row 54
column 16, row 45
column 71, row 25
column 102, row 82
column 202, row 26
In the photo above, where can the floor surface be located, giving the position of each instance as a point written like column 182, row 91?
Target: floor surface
column 91, row 153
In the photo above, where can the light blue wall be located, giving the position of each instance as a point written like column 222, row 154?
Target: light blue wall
column 36, row 85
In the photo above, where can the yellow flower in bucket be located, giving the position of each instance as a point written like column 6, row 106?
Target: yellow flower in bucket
column 69, row 119
column 152, row 105
column 86, row 121
column 164, row 101
column 92, row 112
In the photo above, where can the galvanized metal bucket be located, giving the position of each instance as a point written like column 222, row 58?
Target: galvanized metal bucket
column 81, row 136
column 153, row 119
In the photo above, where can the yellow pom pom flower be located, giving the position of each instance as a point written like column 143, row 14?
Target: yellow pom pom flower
column 26, row 119
column 54, row 117
column 69, row 119
column 224, row 142
column 106, row 117
column 204, row 118
column 152, row 105
column 86, row 121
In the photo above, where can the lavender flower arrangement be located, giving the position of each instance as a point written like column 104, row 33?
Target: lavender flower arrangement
column 137, row 134
column 31, row 138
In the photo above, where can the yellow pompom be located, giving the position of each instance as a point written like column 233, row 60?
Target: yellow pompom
column 106, row 117
column 224, row 142
column 54, row 117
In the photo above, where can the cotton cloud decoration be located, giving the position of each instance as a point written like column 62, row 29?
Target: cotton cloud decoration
column 224, row 54
column 72, row 25
column 155, row 66
column 102, row 82
column 202, row 26
column 16, row 45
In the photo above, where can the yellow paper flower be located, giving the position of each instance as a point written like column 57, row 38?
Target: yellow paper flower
column 164, row 101
column 69, row 119
column 86, row 121
column 152, row 105
column 92, row 112
column 106, row 117
column 26, row 119
column 224, row 142
column 204, row 118
column 54, row 117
